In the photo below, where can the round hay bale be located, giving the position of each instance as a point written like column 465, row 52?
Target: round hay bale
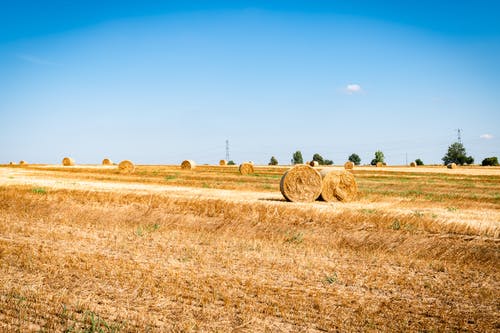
column 107, row 161
column 313, row 163
column 330, row 182
column 126, row 166
column 302, row 183
column 23, row 162
column 348, row 165
column 380, row 164
column 413, row 164
column 338, row 186
column 11, row 163
column 188, row 165
column 68, row 161
column 452, row 166
column 246, row 168
column 222, row 162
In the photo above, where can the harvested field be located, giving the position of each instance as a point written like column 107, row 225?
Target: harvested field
column 213, row 250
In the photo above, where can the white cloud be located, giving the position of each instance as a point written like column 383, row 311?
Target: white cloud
column 353, row 88
column 486, row 136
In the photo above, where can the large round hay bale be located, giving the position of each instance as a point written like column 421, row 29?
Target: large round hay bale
column 348, row 165
column 452, row 166
column 68, row 161
column 338, row 185
column 380, row 164
column 246, row 168
column 413, row 164
column 222, row 162
column 314, row 163
column 126, row 166
column 302, row 183
column 188, row 165
column 107, row 161
column 21, row 162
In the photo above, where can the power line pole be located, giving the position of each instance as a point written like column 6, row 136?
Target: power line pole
column 459, row 132
column 227, row 150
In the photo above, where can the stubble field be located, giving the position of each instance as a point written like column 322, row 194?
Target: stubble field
column 86, row 249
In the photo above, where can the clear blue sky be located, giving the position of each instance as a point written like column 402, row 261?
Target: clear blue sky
column 159, row 81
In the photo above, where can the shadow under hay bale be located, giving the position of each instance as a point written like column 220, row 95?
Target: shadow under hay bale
column 302, row 183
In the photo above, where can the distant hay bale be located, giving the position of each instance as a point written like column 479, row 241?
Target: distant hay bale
column 348, row 165
column 413, row 164
column 246, row 168
column 188, row 165
column 222, row 162
column 23, row 162
column 107, row 161
column 338, row 186
column 380, row 164
column 314, row 163
column 68, row 161
column 126, row 166
column 11, row 163
column 452, row 166
column 302, row 183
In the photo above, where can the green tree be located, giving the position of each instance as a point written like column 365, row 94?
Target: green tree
column 328, row 162
column 418, row 161
column 492, row 161
column 379, row 157
column 318, row 158
column 231, row 163
column 297, row 158
column 354, row 158
column 457, row 154
column 273, row 161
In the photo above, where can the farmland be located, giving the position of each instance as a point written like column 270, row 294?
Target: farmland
column 85, row 248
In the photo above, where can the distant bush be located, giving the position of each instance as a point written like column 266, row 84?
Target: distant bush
column 297, row 157
column 328, row 162
column 354, row 158
column 490, row 161
column 273, row 161
column 231, row 163
column 419, row 161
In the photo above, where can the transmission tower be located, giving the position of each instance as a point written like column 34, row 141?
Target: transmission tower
column 227, row 150
column 459, row 137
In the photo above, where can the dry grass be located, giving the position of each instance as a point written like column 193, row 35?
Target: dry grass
column 84, row 249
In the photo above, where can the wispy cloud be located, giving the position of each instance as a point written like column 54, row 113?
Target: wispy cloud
column 353, row 88
column 486, row 136
column 36, row 60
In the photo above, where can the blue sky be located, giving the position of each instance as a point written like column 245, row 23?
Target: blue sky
column 158, row 82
